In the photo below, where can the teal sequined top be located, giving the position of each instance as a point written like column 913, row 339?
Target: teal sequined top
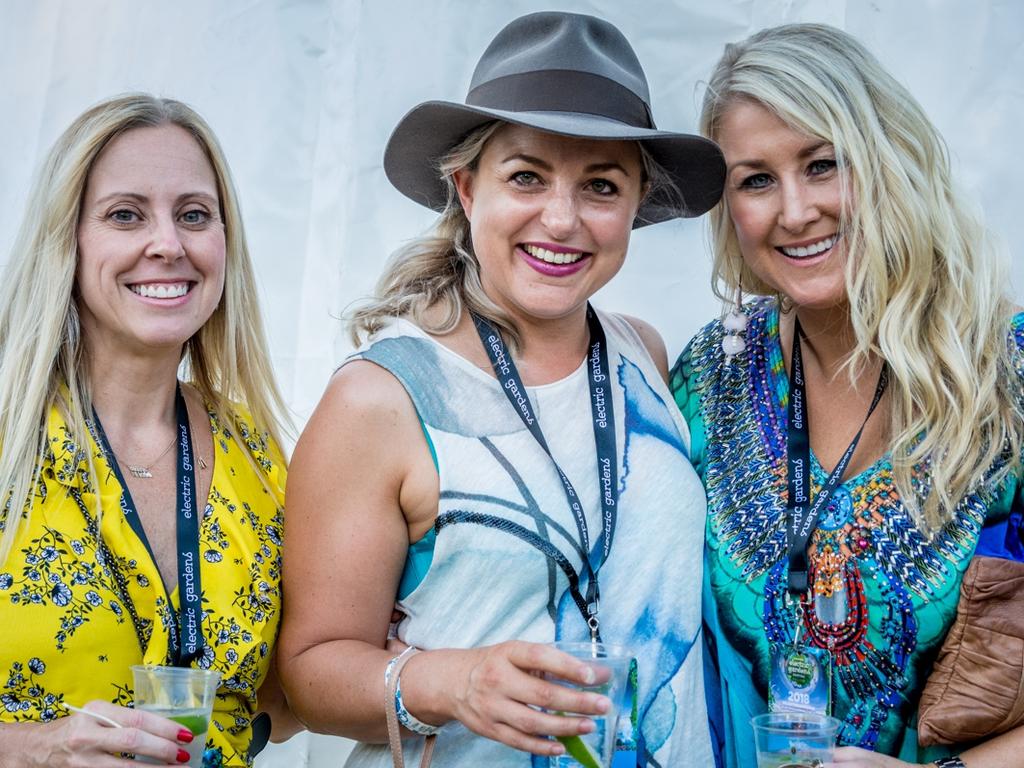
column 885, row 594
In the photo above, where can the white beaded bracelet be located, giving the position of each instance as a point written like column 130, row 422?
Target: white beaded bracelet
column 405, row 718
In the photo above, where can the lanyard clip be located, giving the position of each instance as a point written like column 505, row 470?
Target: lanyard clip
column 798, row 581
column 798, row 615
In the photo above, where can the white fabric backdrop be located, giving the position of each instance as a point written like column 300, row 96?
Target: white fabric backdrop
column 303, row 95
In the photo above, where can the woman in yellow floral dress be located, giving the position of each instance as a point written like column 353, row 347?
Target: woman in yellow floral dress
column 131, row 266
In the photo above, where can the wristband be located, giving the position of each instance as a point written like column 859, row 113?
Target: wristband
column 405, row 718
column 949, row 762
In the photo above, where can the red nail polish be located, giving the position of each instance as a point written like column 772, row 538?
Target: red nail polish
column 185, row 736
column 182, row 756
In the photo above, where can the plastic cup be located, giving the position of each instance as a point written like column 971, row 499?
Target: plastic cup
column 611, row 671
column 180, row 694
column 794, row 739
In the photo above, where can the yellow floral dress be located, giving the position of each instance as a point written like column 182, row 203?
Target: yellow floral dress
column 77, row 609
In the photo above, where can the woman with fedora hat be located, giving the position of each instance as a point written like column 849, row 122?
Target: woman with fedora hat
column 499, row 457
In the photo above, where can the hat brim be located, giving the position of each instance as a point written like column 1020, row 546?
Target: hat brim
column 694, row 164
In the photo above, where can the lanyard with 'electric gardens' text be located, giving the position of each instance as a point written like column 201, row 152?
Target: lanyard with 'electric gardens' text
column 801, row 515
column 604, row 435
column 186, row 640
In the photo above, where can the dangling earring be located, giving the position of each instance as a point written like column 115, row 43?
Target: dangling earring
column 735, row 324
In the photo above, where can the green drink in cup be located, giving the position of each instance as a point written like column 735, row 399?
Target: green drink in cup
column 181, row 694
column 611, row 673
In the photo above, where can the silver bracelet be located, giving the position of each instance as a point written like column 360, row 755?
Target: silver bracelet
column 405, row 718
column 949, row 762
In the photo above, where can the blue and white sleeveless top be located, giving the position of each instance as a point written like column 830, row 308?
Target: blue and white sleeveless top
column 486, row 577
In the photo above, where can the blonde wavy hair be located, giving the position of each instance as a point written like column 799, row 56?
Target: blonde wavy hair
column 926, row 288
column 42, row 355
column 440, row 268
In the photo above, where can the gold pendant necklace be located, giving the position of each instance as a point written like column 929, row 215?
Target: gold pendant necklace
column 143, row 470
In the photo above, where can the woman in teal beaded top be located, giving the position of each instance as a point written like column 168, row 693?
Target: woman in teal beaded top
column 886, row 313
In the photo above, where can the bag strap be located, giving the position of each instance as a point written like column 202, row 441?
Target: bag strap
column 394, row 733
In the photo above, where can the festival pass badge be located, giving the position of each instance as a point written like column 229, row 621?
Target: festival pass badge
column 800, row 679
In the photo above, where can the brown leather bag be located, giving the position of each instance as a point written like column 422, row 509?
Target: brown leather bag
column 976, row 689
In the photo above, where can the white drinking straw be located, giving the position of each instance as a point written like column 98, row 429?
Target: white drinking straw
column 89, row 712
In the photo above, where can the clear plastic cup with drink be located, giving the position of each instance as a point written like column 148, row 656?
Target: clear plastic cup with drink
column 181, row 694
column 794, row 739
column 611, row 665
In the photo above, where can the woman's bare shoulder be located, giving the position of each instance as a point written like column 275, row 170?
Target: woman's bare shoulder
column 652, row 341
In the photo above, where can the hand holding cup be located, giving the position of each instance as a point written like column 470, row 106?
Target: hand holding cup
column 609, row 667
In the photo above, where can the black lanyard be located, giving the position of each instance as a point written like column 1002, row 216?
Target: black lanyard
column 186, row 640
column 801, row 515
column 603, row 421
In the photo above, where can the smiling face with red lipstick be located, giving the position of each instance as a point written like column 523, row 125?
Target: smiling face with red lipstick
column 151, row 243
column 550, row 218
column 784, row 192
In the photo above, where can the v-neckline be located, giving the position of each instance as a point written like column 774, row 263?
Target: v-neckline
column 778, row 383
column 172, row 594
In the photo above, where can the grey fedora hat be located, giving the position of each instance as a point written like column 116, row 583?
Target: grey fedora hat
column 563, row 73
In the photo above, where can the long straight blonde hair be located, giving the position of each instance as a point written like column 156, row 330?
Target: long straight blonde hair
column 42, row 363
column 926, row 288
